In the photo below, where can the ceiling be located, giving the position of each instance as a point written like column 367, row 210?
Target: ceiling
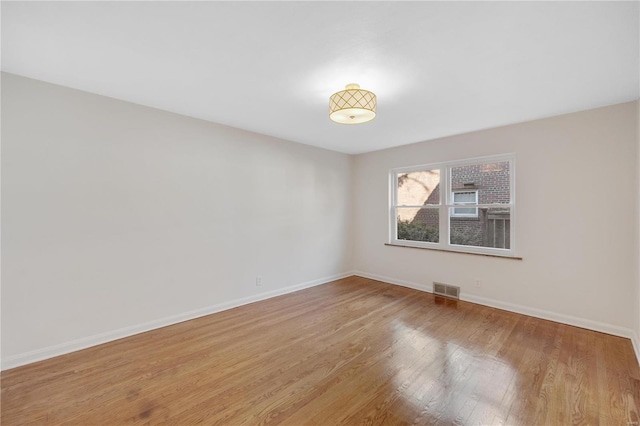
column 438, row 68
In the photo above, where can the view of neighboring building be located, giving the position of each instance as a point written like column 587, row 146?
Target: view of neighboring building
column 477, row 219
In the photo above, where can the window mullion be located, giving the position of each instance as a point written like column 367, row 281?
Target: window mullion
column 445, row 200
column 393, row 211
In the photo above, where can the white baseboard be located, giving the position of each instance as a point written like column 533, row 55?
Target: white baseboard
column 635, row 341
column 551, row 316
column 389, row 280
column 75, row 345
column 525, row 310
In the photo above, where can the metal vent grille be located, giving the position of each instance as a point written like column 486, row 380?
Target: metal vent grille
column 446, row 290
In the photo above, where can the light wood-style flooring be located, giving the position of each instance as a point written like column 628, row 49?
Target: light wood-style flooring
column 349, row 352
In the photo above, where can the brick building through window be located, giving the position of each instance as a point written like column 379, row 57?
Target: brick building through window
column 471, row 184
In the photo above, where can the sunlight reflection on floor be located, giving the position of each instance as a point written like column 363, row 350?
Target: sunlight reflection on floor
column 444, row 390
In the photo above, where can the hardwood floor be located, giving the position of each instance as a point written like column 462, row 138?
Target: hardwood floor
column 349, row 352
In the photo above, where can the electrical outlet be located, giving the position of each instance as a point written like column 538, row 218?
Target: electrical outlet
column 258, row 281
column 478, row 283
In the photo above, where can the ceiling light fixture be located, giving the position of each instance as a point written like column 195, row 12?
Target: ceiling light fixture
column 352, row 105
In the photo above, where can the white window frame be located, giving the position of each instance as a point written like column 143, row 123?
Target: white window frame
column 447, row 203
column 463, row 204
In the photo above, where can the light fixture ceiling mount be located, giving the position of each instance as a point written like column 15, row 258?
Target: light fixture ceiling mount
column 352, row 105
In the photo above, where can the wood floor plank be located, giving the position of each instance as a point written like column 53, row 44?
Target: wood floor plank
column 355, row 351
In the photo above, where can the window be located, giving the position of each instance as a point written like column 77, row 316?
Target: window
column 464, row 206
column 465, row 197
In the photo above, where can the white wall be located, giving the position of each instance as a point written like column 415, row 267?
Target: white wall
column 118, row 217
column 576, row 200
column 636, row 337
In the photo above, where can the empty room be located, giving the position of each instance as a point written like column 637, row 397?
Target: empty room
column 320, row 213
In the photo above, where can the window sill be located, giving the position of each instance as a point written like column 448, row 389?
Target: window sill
column 454, row 251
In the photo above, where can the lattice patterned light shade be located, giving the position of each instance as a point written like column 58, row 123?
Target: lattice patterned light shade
column 352, row 105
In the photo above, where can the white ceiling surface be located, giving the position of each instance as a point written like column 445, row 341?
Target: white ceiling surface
column 438, row 68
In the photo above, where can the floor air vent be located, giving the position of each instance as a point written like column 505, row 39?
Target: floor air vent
column 446, row 290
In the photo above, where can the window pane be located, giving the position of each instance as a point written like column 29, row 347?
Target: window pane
column 465, row 211
column 419, row 188
column 491, row 228
column 418, row 224
column 464, row 197
column 491, row 180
